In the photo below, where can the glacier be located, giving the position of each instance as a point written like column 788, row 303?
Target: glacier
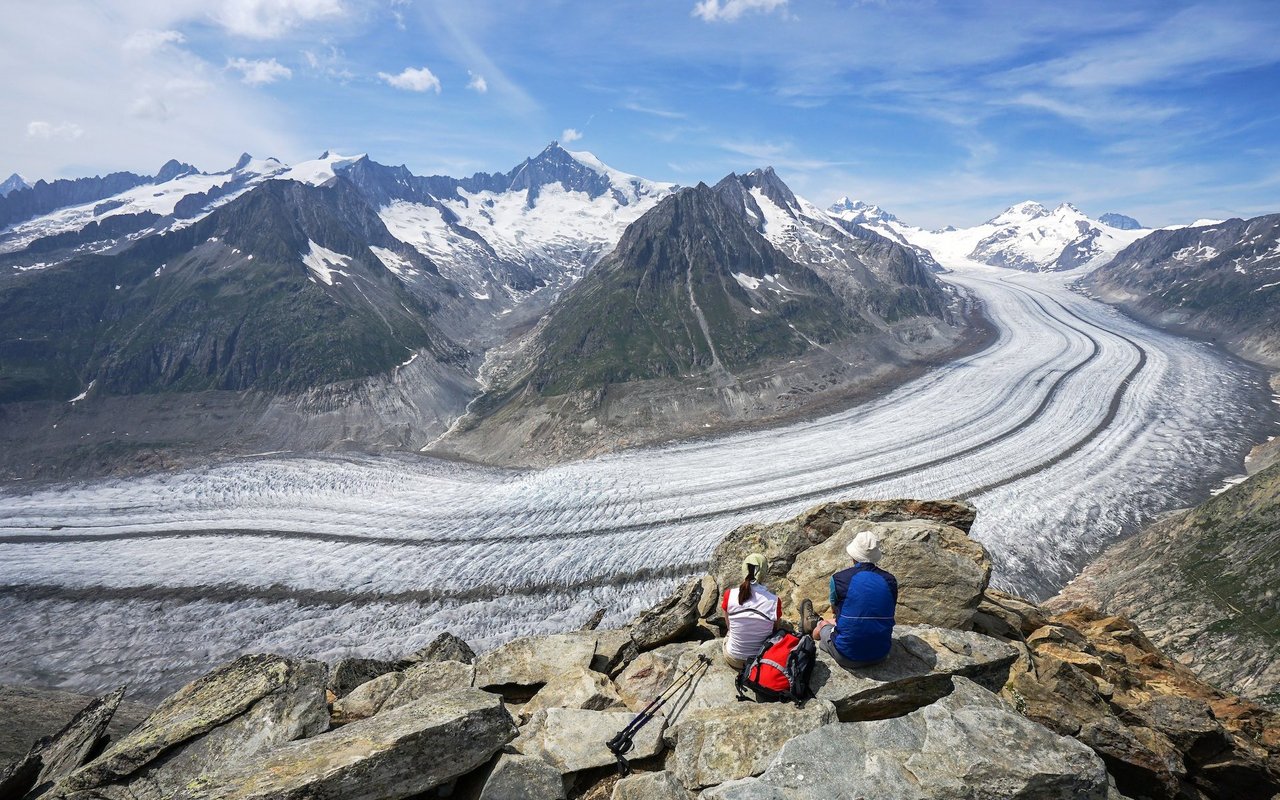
column 1074, row 427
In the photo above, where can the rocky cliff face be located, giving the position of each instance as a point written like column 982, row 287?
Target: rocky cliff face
column 1215, row 604
column 1219, row 281
column 982, row 695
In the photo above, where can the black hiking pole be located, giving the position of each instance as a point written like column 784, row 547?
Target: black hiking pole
column 622, row 743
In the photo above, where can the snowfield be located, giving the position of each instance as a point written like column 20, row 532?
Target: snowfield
column 1076, row 425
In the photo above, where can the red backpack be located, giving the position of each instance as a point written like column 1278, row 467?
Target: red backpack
column 781, row 670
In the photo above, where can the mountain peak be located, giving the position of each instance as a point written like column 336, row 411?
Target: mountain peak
column 1120, row 221
column 174, row 168
column 857, row 211
column 1020, row 212
column 242, row 162
column 12, row 184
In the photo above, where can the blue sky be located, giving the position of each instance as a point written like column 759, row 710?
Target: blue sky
column 943, row 112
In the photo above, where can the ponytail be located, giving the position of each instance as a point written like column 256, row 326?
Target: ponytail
column 744, row 590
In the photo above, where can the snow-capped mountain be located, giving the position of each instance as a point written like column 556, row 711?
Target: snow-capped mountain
column 512, row 239
column 178, row 195
column 12, row 184
column 1026, row 236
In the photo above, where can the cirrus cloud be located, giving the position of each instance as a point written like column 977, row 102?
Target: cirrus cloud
column 412, row 79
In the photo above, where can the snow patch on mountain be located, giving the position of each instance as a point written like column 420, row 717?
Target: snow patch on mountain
column 324, row 263
column 319, row 171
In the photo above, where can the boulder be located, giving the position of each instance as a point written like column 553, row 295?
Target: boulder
column 709, row 686
column 941, row 572
column 243, row 708
column 714, row 745
column 30, row 714
column 781, row 542
column 57, row 756
column 710, row 599
column 365, row 700
column 576, row 688
column 520, row 667
column 572, row 739
column 650, row 786
column 614, row 650
column 445, row 647
column 428, row 678
column 918, row 671
column 517, row 777
column 395, row 754
column 671, row 620
column 967, row 745
column 349, row 673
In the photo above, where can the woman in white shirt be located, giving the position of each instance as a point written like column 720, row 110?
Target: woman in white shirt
column 752, row 612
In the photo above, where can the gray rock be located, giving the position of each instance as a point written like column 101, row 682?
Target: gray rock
column 517, row 777
column 252, row 704
column 651, row 673
column 967, row 746
column 714, row 745
column 941, row 572
column 671, row 620
column 428, row 678
column 54, row 758
column 594, row 620
column 574, row 739
column 781, row 542
column 710, row 600
column 349, row 673
column 519, row 667
column 917, row 672
column 32, row 714
column 396, row 754
column 445, row 647
column 650, row 786
column 576, row 688
column 614, row 651
column 365, row 700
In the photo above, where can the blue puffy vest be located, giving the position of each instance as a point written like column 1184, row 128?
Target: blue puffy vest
column 864, row 624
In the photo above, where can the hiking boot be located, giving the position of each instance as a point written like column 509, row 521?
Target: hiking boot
column 808, row 619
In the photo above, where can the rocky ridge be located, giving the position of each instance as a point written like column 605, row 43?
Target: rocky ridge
column 983, row 695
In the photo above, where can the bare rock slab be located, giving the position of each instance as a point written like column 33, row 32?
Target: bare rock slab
column 392, row 755
column 573, row 739
column 429, row 678
column 349, row 673
column 526, row 664
column 576, row 688
column 517, row 777
column 715, row 745
column 967, row 746
column 671, row 620
column 917, row 672
column 252, row 704
column 445, row 647
column 650, row 786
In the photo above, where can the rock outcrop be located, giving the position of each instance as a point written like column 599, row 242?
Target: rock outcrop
column 1214, row 607
column 987, row 695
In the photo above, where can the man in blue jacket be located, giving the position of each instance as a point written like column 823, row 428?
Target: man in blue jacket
column 863, row 598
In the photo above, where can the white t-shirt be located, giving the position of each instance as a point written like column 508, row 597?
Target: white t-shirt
column 750, row 623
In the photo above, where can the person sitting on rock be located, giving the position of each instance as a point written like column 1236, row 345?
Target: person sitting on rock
column 752, row 612
column 863, row 598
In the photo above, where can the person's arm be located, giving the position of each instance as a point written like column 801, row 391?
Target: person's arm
column 834, row 598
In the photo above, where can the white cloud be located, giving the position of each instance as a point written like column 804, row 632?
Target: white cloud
column 39, row 129
column 257, row 73
column 729, row 10
column 477, row 83
column 269, row 19
column 413, row 79
column 145, row 42
column 570, row 135
column 657, row 112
